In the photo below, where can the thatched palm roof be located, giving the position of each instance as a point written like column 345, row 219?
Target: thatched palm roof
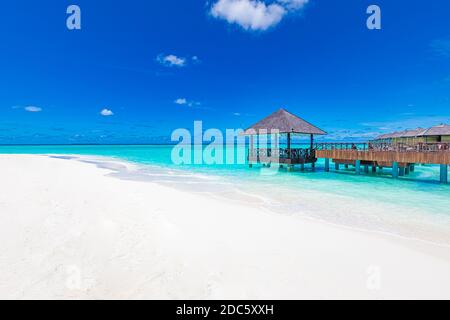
column 413, row 133
column 441, row 130
column 403, row 134
column 285, row 122
column 384, row 136
column 397, row 134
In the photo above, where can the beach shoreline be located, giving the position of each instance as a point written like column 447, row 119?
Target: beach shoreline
column 76, row 229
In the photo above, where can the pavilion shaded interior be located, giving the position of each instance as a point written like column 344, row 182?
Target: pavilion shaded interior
column 282, row 122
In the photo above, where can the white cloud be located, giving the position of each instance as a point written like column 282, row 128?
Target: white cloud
column 106, row 113
column 249, row 14
column 33, row 109
column 181, row 101
column 237, row 114
column 293, row 4
column 255, row 15
column 189, row 103
column 171, row 60
column 194, row 104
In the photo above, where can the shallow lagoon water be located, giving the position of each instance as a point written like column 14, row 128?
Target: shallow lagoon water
column 416, row 206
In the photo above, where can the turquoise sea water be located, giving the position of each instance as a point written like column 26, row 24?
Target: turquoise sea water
column 415, row 206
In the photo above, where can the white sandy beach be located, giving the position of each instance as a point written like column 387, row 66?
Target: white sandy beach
column 69, row 229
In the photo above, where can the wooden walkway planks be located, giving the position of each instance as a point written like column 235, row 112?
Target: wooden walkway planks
column 387, row 156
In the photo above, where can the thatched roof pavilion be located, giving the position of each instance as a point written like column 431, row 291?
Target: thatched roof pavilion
column 285, row 122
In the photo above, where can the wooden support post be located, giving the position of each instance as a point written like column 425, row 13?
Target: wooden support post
column 250, row 150
column 346, row 166
column 302, row 166
column 412, row 167
column 401, row 171
column 407, row 169
column 395, row 169
column 289, row 145
column 276, row 142
column 336, row 166
column 327, row 165
column 374, row 169
column 366, row 168
column 358, row 166
column 312, row 142
column 444, row 173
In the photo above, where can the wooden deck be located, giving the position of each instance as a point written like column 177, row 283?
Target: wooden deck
column 401, row 158
column 386, row 156
column 424, row 153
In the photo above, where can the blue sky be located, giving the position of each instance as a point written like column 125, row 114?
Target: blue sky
column 139, row 69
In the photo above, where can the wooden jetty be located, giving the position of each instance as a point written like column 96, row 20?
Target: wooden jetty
column 402, row 158
column 400, row 151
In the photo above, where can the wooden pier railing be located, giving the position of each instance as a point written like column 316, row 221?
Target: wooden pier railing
column 374, row 147
column 400, row 157
column 282, row 155
column 429, row 153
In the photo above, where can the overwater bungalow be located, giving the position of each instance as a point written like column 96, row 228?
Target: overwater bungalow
column 282, row 122
column 440, row 133
column 436, row 134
